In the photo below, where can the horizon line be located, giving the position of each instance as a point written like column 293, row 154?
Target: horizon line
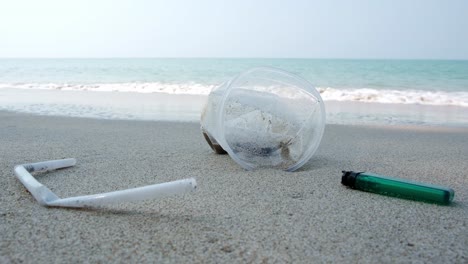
column 258, row 58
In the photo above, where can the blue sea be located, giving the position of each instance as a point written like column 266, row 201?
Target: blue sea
column 391, row 83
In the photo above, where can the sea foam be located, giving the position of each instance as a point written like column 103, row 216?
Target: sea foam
column 138, row 87
column 396, row 96
column 328, row 94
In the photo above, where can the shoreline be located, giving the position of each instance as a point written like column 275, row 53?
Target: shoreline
column 432, row 128
column 236, row 215
column 169, row 107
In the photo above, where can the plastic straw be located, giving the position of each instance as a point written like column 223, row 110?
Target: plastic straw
column 47, row 198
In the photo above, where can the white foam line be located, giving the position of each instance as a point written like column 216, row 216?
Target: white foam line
column 143, row 87
column 396, row 96
column 328, row 94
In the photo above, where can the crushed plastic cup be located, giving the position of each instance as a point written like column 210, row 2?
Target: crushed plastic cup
column 265, row 118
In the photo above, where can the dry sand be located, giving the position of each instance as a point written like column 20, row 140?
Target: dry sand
column 261, row 216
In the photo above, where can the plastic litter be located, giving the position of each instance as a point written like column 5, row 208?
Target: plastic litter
column 265, row 117
column 47, row 198
column 397, row 187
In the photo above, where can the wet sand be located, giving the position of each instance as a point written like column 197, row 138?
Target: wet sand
column 236, row 215
column 169, row 107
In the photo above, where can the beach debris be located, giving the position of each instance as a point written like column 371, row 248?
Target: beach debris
column 46, row 197
column 397, row 187
column 265, row 118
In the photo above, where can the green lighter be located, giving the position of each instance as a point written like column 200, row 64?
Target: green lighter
column 397, row 187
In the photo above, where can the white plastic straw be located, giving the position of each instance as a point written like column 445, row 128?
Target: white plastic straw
column 47, row 198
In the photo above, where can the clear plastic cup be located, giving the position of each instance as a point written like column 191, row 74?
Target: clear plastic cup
column 265, row 118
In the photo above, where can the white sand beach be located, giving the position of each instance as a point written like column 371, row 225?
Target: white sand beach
column 235, row 216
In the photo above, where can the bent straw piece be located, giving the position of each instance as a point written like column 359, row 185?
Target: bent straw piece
column 49, row 165
column 42, row 194
column 46, row 197
column 129, row 195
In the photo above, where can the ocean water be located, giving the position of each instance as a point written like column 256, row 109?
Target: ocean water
column 386, row 82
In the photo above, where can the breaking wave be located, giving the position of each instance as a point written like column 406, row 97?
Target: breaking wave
column 396, row 96
column 328, row 94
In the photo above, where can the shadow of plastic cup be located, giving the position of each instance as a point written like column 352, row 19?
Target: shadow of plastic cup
column 265, row 118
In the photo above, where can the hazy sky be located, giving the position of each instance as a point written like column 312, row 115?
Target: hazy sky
column 243, row 28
